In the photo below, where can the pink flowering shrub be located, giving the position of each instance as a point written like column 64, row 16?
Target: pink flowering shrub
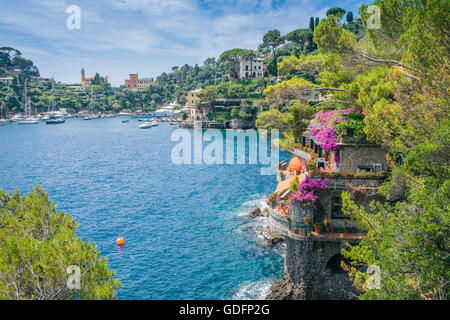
column 307, row 191
column 328, row 121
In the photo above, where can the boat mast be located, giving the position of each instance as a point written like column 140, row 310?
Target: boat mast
column 51, row 105
column 25, row 95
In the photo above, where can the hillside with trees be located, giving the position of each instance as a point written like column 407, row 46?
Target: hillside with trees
column 397, row 76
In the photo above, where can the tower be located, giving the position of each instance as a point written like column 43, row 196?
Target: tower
column 83, row 76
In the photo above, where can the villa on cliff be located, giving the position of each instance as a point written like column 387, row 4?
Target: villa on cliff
column 306, row 209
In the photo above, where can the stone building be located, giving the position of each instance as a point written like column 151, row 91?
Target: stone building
column 251, row 68
column 136, row 83
column 316, row 232
column 194, row 110
column 88, row 81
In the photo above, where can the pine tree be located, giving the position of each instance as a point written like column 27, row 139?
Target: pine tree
column 349, row 17
column 311, row 23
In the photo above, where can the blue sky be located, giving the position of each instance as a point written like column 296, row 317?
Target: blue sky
column 118, row 37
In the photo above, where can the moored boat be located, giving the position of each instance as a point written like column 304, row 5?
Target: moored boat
column 28, row 120
column 55, row 120
column 146, row 125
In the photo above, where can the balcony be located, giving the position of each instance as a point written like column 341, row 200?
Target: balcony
column 282, row 224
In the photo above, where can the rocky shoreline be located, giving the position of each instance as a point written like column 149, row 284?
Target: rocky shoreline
column 305, row 275
column 271, row 237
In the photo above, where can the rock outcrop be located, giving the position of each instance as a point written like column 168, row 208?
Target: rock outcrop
column 313, row 271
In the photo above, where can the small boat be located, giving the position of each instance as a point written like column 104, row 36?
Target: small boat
column 2, row 122
column 55, row 120
column 16, row 118
column 29, row 120
column 146, row 125
column 126, row 120
column 154, row 123
column 173, row 123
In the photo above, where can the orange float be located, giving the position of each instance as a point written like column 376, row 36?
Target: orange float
column 120, row 241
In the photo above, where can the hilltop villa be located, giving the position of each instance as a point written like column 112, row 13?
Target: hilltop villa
column 251, row 69
column 88, row 81
column 136, row 83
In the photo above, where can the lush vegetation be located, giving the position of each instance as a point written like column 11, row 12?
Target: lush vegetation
column 38, row 244
column 398, row 77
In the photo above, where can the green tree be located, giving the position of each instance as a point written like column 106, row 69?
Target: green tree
column 336, row 11
column 272, row 40
column 96, row 79
column 235, row 113
column 311, row 23
column 233, row 58
column 303, row 37
column 349, row 17
column 37, row 244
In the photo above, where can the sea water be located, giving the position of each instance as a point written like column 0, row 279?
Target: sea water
column 186, row 229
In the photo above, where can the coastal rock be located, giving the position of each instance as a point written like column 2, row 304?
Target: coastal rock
column 312, row 271
column 273, row 238
column 255, row 212
column 285, row 289
column 265, row 212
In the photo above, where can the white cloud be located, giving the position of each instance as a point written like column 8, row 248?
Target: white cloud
column 179, row 30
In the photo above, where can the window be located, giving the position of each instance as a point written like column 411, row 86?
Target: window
column 377, row 167
column 259, row 67
column 246, row 67
column 364, row 168
column 336, row 208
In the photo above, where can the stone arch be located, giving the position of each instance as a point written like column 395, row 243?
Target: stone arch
column 334, row 263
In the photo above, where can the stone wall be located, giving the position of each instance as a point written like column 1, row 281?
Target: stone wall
column 233, row 124
column 312, row 272
column 352, row 155
column 278, row 223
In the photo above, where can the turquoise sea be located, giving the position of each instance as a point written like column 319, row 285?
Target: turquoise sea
column 185, row 226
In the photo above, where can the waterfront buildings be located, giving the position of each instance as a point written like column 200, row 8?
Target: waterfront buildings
column 136, row 83
column 195, row 112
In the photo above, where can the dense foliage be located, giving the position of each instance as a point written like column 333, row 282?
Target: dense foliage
column 38, row 244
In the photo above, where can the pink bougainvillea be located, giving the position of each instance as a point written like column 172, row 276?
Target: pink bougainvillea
column 326, row 133
column 307, row 190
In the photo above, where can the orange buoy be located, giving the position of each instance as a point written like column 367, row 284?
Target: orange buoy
column 120, row 241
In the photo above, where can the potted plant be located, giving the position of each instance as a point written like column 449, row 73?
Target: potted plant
column 317, row 227
column 306, row 220
column 326, row 224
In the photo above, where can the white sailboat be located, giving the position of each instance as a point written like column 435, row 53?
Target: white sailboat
column 29, row 119
column 54, row 117
column 91, row 114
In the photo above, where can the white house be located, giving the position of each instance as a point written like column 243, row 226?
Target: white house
column 251, row 69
